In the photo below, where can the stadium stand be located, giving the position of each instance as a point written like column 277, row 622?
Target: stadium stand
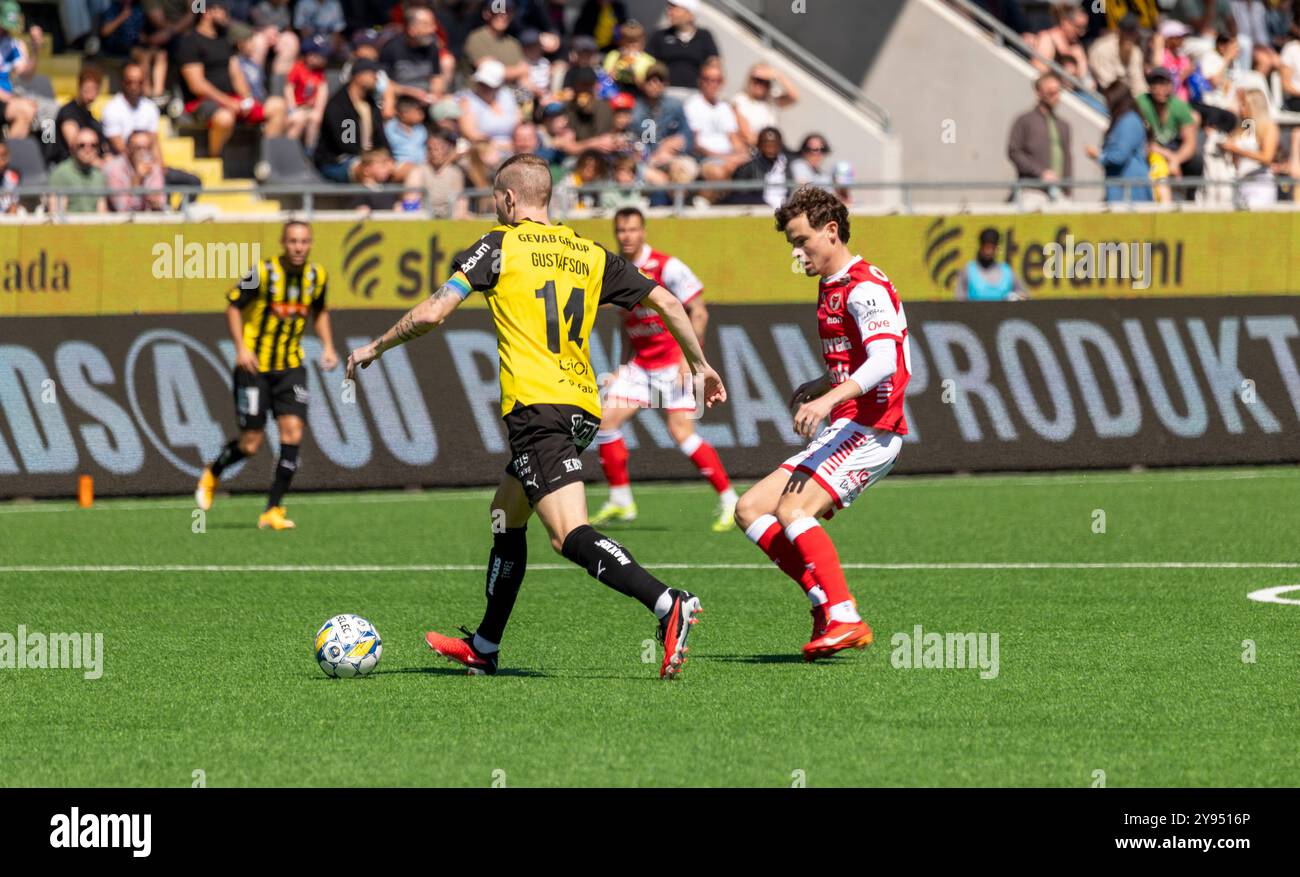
column 242, row 88
column 225, row 130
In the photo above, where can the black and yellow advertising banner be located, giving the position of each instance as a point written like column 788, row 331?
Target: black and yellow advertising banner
column 186, row 268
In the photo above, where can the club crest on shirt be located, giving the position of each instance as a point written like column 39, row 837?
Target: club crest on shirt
column 834, row 299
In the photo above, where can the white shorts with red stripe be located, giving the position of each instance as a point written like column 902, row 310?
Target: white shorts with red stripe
column 636, row 387
column 847, row 458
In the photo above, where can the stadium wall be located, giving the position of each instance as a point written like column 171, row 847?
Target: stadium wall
column 187, row 267
column 140, row 402
column 873, row 153
column 952, row 93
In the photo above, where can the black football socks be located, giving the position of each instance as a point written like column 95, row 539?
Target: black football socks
column 611, row 564
column 505, row 573
column 283, row 475
column 229, row 456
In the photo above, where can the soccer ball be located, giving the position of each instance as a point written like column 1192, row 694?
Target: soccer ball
column 347, row 646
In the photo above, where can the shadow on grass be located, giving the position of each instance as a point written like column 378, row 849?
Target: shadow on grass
column 633, row 527
column 453, row 671
column 784, row 658
column 585, row 673
column 576, row 673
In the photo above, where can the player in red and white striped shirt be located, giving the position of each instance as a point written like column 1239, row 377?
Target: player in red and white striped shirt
column 863, row 332
column 656, row 377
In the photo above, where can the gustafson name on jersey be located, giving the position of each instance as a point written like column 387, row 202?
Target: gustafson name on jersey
column 542, row 259
column 562, row 261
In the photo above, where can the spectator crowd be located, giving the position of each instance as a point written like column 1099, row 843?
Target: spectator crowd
column 1207, row 90
column 418, row 101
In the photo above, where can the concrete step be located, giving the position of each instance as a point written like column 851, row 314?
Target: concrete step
column 208, row 170
column 67, row 64
column 178, row 152
column 62, row 70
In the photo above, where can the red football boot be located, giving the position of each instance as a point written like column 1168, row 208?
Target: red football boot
column 819, row 622
column 674, row 628
column 462, row 651
column 837, row 636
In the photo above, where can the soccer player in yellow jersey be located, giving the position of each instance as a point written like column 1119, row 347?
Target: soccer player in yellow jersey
column 543, row 285
column 267, row 314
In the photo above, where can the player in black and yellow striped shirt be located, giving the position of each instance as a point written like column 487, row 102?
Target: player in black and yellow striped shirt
column 267, row 314
column 543, row 284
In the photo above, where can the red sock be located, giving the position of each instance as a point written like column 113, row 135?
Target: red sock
column 706, row 459
column 819, row 555
column 613, row 459
column 767, row 535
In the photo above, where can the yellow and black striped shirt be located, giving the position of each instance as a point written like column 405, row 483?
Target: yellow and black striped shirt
column 276, row 302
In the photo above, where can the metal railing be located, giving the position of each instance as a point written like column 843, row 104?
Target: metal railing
column 569, row 201
column 770, row 36
column 1004, row 36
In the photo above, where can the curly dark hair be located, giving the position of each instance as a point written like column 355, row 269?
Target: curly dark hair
column 819, row 205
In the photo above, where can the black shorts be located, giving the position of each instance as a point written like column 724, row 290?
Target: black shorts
column 283, row 392
column 545, row 441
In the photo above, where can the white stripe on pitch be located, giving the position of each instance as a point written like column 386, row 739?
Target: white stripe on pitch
column 478, row 567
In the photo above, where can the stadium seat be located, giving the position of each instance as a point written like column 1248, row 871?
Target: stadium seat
column 333, row 79
column 282, row 161
column 112, row 70
column 25, row 157
column 1251, row 80
column 39, row 84
column 1275, row 99
column 286, row 161
column 275, row 87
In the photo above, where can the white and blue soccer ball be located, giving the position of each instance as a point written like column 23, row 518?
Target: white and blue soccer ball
column 347, row 646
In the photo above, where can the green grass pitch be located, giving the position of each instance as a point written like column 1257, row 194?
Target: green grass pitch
column 1124, row 667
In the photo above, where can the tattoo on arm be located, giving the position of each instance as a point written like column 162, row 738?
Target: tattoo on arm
column 444, row 291
column 407, row 329
column 410, row 327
